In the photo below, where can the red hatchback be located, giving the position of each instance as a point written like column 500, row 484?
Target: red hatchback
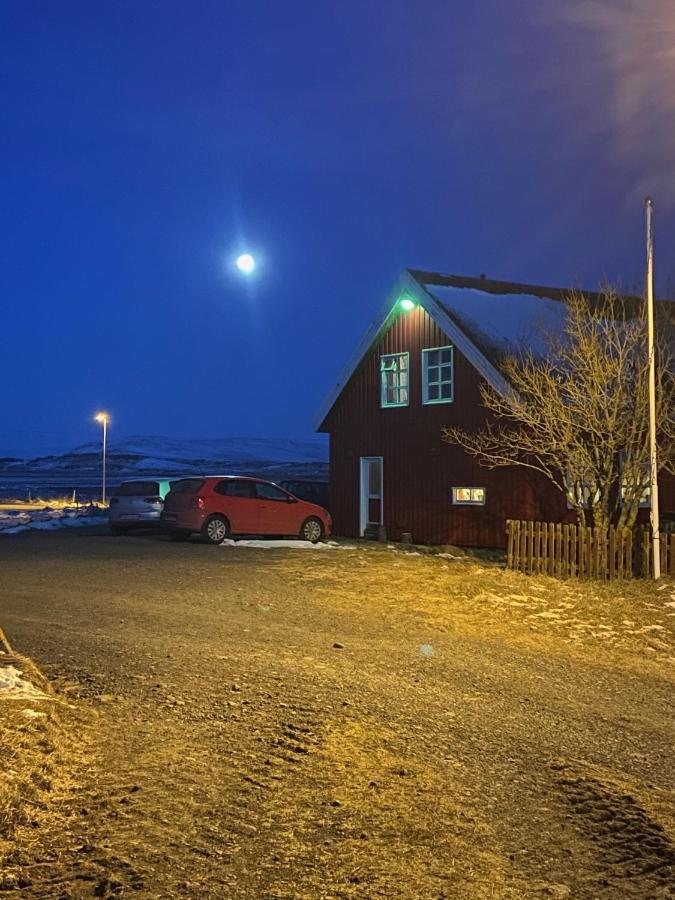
column 218, row 506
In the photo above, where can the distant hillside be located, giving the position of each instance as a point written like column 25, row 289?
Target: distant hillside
column 236, row 450
column 148, row 455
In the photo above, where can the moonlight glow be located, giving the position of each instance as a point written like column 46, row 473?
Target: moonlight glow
column 246, row 263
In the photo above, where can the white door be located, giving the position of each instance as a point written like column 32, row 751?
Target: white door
column 372, row 507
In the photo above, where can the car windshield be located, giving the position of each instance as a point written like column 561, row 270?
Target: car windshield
column 187, row 486
column 138, row 489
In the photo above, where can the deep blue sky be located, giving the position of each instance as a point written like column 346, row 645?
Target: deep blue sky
column 145, row 143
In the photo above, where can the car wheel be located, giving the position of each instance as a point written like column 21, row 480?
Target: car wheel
column 118, row 530
column 178, row 536
column 214, row 530
column 312, row 530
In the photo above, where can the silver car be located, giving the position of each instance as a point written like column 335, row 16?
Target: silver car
column 137, row 504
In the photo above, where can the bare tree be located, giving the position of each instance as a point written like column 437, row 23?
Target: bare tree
column 579, row 413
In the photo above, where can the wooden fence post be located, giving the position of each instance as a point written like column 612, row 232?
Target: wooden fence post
column 516, row 546
column 611, row 554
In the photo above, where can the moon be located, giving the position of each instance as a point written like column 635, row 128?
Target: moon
column 246, row 263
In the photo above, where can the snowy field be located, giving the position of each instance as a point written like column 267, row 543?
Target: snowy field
column 17, row 520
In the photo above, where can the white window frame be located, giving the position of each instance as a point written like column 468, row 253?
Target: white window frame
column 569, row 496
column 646, row 498
column 425, row 376
column 383, row 381
column 457, row 502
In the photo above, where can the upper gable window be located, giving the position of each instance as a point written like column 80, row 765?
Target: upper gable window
column 394, row 368
column 437, row 375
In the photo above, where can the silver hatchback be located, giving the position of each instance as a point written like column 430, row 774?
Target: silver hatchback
column 137, row 504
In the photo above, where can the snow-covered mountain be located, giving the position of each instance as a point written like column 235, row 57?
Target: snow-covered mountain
column 146, row 455
column 235, row 450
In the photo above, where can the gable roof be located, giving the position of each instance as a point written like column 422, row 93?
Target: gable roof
column 485, row 319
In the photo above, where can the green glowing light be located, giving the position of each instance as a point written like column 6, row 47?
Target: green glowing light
column 407, row 304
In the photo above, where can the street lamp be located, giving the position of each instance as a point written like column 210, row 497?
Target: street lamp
column 103, row 418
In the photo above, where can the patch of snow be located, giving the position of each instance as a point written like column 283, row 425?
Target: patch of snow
column 14, row 686
column 283, row 545
column 47, row 519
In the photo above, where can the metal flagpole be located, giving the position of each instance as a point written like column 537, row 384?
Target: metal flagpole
column 105, row 441
column 653, row 469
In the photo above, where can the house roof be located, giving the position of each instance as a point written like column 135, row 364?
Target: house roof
column 485, row 319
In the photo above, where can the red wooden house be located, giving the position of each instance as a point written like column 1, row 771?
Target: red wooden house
column 418, row 368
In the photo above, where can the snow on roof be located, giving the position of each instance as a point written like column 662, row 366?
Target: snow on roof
column 505, row 322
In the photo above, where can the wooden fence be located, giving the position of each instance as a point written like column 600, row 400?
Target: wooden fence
column 573, row 551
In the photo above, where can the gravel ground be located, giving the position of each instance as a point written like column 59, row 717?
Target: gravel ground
column 358, row 722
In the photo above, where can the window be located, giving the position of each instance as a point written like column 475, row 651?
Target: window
column 234, row 487
column 468, row 496
column 646, row 498
column 579, row 492
column 394, row 379
column 138, row 489
column 270, row 492
column 437, row 378
column 187, row 486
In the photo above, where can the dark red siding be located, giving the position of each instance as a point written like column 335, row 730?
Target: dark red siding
column 420, row 469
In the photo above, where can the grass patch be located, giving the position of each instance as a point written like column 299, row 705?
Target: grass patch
column 33, row 749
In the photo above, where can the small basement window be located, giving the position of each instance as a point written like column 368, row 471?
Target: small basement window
column 394, row 379
column 437, row 375
column 468, row 496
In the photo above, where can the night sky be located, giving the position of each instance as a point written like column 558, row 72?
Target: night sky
column 144, row 144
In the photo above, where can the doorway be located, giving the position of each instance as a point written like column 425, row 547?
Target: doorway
column 372, row 511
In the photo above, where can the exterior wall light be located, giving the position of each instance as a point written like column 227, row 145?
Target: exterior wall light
column 407, row 304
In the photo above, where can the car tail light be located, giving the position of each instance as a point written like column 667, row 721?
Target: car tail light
column 197, row 503
column 153, row 500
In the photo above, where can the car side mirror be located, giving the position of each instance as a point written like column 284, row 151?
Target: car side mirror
column 292, row 499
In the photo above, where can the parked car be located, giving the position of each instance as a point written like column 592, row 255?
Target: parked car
column 312, row 491
column 218, row 506
column 137, row 504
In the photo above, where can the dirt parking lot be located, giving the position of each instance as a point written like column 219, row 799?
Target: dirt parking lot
column 345, row 722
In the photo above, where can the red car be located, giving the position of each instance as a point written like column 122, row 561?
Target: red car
column 218, row 506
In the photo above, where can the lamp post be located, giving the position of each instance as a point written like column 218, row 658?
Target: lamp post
column 103, row 418
column 653, row 467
